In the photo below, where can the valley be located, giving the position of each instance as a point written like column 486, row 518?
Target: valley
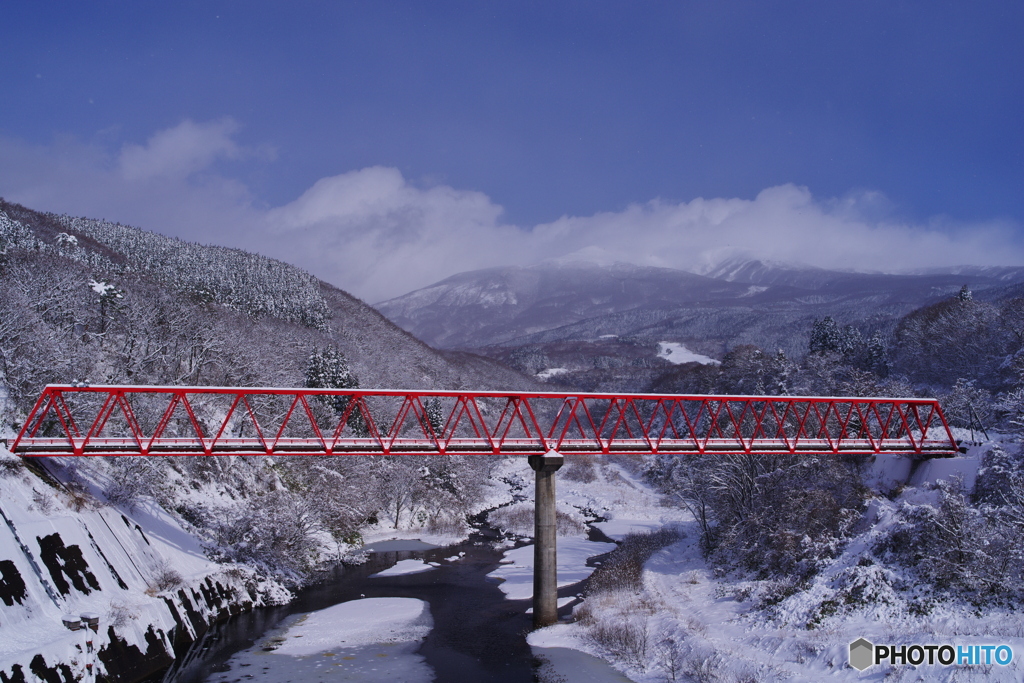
column 728, row 568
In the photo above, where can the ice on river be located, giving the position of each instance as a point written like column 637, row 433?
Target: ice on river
column 572, row 556
column 406, row 567
column 374, row 639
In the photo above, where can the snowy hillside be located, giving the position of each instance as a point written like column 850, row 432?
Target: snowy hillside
column 64, row 550
column 737, row 302
column 82, row 299
column 690, row 617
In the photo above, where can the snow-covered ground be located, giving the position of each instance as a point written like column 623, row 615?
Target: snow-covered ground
column 678, row 354
column 139, row 570
column 697, row 625
column 694, row 622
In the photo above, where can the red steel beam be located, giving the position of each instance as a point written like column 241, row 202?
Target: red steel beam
column 180, row 420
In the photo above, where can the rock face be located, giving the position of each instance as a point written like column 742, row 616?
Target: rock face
column 62, row 553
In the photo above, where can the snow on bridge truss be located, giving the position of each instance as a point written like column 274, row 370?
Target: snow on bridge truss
column 179, row 420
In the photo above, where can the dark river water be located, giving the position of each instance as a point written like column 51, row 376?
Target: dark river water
column 477, row 636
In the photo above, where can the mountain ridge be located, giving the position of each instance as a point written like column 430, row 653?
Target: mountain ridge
column 740, row 301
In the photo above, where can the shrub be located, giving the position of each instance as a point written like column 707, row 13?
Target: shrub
column 625, row 639
column 518, row 520
column 579, row 468
column 624, row 567
column 166, row 579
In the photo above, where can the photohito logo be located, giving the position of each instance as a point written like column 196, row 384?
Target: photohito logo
column 864, row 653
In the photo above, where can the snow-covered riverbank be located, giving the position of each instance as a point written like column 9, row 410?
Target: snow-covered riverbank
column 146, row 577
column 685, row 621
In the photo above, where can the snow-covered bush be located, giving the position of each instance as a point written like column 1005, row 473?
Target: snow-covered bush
column 579, row 468
column 960, row 549
column 616, row 614
column 518, row 520
column 966, row 405
column 166, row 579
column 625, row 638
column 10, row 464
column 132, row 478
column 768, row 513
column 623, row 568
column 274, row 532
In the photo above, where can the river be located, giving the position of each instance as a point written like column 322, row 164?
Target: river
column 477, row 635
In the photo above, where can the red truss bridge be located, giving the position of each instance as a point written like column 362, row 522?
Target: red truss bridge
column 177, row 420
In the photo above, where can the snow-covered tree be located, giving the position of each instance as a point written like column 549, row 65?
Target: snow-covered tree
column 825, row 336
column 328, row 369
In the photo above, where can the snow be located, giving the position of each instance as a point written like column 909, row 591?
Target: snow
column 373, row 639
column 103, row 288
column 715, row 617
column 718, row 632
column 127, row 553
column 678, row 354
column 357, row 623
column 404, row 567
column 551, row 372
column 567, row 665
column 562, row 602
column 618, row 528
column 947, row 469
column 572, row 556
column 886, row 471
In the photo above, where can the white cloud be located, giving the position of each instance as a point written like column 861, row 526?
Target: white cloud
column 373, row 232
column 377, row 235
column 180, row 151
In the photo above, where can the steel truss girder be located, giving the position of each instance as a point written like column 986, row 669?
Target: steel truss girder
column 180, row 420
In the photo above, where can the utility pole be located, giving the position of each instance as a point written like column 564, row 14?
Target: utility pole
column 545, row 537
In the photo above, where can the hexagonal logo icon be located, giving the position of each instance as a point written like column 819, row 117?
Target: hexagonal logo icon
column 862, row 654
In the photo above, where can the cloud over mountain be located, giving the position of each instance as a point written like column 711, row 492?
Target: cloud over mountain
column 377, row 234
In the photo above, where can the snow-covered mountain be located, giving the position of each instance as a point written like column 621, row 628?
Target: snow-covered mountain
column 497, row 305
column 88, row 299
column 768, row 304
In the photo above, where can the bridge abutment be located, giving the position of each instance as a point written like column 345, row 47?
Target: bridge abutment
column 545, row 567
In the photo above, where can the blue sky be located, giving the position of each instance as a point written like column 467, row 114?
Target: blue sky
column 507, row 120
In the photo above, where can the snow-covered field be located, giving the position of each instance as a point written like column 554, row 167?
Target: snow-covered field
column 678, row 354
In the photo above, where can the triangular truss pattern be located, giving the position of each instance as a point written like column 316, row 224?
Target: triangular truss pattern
column 144, row 420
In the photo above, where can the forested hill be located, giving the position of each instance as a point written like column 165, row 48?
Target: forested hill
column 84, row 299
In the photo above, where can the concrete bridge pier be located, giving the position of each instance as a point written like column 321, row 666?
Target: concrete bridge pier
column 545, row 575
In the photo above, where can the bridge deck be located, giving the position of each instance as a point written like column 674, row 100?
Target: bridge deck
column 135, row 420
column 291, row 446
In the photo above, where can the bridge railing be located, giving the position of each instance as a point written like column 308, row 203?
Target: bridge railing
column 177, row 420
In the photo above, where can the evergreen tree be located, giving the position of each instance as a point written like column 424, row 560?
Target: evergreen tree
column 328, row 369
column 434, row 415
column 878, row 355
column 825, row 336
